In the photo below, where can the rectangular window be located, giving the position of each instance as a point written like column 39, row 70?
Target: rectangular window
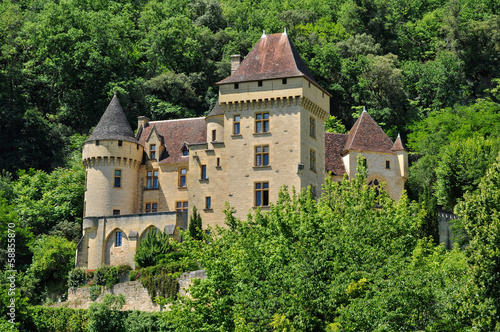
column 214, row 135
column 182, row 177
column 236, row 86
column 208, row 202
column 118, row 178
column 284, row 81
column 185, row 152
column 203, row 172
column 152, row 151
column 236, row 126
column 312, row 160
column 152, row 180
column 262, row 155
column 97, row 142
column 218, row 162
column 259, row 83
column 116, row 212
column 262, row 122
column 118, row 242
column 312, row 127
column 181, row 206
column 120, row 143
column 387, row 164
column 262, row 194
column 151, row 207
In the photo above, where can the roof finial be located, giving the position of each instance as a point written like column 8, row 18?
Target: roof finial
column 263, row 34
column 364, row 108
column 285, row 32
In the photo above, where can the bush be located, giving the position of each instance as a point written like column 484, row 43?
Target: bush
column 154, row 245
column 45, row 319
column 105, row 316
column 94, row 291
column 76, row 278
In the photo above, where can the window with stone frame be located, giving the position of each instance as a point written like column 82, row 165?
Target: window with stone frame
column 261, row 194
column 181, row 206
column 312, row 160
column 203, row 172
column 152, row 180
column 118, row 238
column 182, row 177
column 312, row 127
column 236, row 125
column 261, row 123
column 208, row 202
column 151, row 207
column 262, row 155
column 118, row 178
column 152, row 151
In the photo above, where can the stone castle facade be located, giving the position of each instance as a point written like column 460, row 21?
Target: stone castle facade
column 266, row 132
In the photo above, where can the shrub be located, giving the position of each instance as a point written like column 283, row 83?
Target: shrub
column 76, row 278
column 95, row 291
column 155, row 244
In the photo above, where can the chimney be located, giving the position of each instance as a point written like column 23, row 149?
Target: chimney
column 142, row 121
column 235, row 62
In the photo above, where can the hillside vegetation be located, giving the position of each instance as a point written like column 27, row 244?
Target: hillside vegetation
column 427, row 69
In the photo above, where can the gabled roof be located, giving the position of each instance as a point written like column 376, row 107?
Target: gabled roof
column 176, row 133
column 113, row 125
column 366, row 135
column 398, row 145
column 334, row 146
column 274, row 56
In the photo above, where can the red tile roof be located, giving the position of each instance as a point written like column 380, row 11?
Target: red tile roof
column 398, row 145
column 366, row 135
column 175, row 133
column 334, row 146
column 274, row 56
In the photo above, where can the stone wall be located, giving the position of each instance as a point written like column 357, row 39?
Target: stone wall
column 137, row 297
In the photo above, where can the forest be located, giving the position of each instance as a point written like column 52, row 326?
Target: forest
column 427, row 69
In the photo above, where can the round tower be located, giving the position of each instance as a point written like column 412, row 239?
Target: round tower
column 111, row 157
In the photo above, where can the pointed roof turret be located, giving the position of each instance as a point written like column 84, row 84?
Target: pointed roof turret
column 113, row 124
column 398, row 145
column 273, row 57
column 366, row 135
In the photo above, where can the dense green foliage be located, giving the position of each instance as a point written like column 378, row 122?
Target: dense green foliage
column 153, row 246
column 351, row 261
column 195, row 225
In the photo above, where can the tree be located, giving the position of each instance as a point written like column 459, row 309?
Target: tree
column 155, row 245
column 305, row 265
column 195, row 225
column 479, row 219
column 105, row 316
column 462, row 165
column 53, row 258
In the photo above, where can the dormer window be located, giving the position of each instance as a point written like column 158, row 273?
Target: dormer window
column 152, row 151
column 185, row 152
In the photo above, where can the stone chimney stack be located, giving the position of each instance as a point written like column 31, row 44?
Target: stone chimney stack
column 142, row 121
column 235, row 62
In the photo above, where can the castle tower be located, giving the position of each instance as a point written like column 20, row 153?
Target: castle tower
column 111, row 157
column 268, row 127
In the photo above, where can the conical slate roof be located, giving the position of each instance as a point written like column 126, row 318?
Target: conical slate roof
column 366, row 135
column 274, row 56
column 217, row 110
column 113, row 125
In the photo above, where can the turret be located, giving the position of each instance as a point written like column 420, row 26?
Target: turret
column 111, row 157
column 402, row 154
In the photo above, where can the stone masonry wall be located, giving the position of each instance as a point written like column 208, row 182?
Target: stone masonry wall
column 137, row 297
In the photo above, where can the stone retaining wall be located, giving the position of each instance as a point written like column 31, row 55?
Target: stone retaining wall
column 137, row 297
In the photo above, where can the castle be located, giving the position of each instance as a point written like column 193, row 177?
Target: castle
column 266, row 132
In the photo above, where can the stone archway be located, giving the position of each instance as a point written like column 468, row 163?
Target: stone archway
column 116, row 248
